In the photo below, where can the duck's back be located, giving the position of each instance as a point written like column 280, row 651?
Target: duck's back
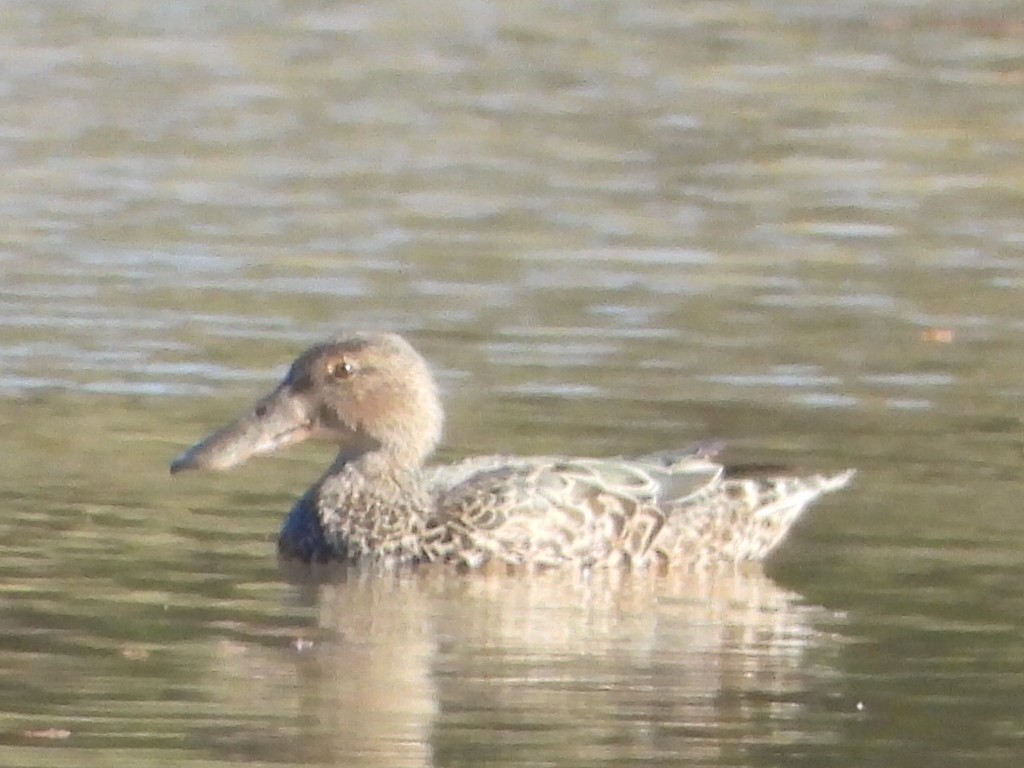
column 676, row 509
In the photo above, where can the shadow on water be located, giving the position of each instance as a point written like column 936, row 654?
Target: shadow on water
column 431, row 668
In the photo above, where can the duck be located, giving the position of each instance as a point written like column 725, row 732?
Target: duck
column 381, row 502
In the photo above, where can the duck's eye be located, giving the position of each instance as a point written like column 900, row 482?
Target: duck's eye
column 341, row 369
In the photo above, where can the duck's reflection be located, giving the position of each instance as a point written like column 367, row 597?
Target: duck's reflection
column 427, row 667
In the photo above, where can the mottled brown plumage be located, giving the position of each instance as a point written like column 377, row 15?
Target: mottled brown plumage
column 374, row 396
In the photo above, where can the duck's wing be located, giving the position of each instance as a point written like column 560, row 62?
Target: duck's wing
column 550, row 510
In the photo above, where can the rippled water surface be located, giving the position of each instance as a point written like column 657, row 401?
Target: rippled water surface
column 612, row 227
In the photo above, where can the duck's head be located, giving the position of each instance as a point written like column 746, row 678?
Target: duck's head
column 366, row 392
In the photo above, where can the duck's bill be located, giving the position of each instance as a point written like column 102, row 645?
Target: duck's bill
column 276, row 421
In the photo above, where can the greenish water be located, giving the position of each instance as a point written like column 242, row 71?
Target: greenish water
column 612, row 228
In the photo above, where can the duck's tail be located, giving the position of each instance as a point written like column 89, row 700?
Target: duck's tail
column 744, row 518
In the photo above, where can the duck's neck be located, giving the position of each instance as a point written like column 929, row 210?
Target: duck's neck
column 377, row 464
column 373, row 504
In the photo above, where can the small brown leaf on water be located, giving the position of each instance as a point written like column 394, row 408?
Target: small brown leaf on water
column 938, row 335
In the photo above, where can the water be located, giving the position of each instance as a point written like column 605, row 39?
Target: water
column 612, row 228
